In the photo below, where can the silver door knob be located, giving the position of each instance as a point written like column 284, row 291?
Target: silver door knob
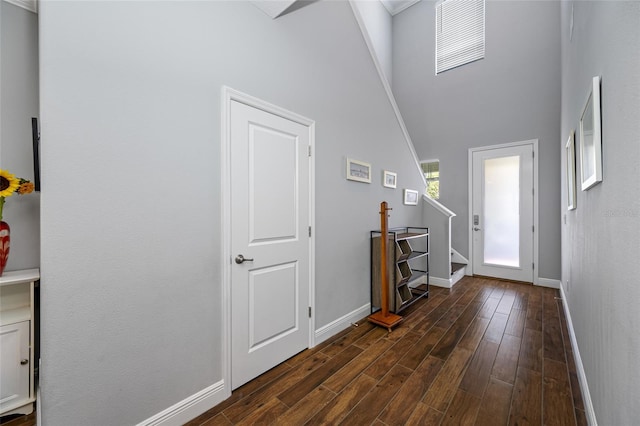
column 476, row 229
column 241, row 259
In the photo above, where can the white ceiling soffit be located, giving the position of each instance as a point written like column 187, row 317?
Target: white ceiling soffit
column 396, row 6
column 273, row 8
column 30, row 5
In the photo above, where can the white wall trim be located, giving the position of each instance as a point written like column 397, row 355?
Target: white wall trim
column 228, row 94
column 536, row 195
column 185, row 410
column 30, row 5
column 582, row 377
column 398, row 6
column 342, row 323
column 441, row 282
column 457, row 257
column 273, row 8
column 547, row 282
column 438, row 206
column 387, row 88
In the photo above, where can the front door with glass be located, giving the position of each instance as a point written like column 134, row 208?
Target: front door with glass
column 502, row 212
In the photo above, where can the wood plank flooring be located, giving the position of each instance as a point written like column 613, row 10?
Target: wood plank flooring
column 19, row 420
column 486, row 352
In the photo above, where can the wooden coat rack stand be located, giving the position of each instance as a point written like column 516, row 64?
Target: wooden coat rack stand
column 383, row 317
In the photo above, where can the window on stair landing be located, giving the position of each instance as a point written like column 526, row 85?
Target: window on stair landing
column 431, row 170
column 459, row 33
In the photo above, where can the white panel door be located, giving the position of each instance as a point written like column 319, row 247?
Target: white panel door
column 269, row 228
column 502, row 221
column 14, row 364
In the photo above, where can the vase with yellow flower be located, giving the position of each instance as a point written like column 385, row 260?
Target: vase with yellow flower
column 9, row 185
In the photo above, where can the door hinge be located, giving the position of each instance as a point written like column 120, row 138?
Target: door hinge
column 309, row 311
column 533, row 154
column 309, row 150
column 533, row 228
column 533, row 192
column 309, row 231
column 533, row 265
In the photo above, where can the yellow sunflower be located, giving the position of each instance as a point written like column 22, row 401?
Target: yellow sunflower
column 8, row 183
column 26, row 187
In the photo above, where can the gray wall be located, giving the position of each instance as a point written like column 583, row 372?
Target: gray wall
column 601, row 238
column 511, row 95
column 18, row 103
column 378, row 23
column 439, row 233
column 130, row 106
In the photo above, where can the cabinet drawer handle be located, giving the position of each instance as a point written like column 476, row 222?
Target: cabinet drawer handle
column 24, row 362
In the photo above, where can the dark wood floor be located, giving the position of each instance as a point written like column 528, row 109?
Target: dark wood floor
column 486, row 352
column 18, row 420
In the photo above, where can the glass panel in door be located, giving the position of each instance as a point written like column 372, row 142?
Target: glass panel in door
column 502, row 211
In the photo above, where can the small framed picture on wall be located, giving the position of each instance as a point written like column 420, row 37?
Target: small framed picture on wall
column 410, row 197
column 389, row 179
column 358, row 171
column 591, row 138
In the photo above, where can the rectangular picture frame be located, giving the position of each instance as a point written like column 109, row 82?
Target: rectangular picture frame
column 570, row 149
column 410, row 197
column 591, row 138
column 358, row 171
column 389, row 179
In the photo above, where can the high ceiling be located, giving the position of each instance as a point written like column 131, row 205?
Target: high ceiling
column 397, row 6
column 275, row 8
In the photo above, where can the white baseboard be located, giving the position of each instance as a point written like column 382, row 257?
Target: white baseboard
column 190, row 407
column 458, row 258
column 582, row 377
column 342, row 323
column 441, row 282
column 38, row 406
column 458, row 275
column 547, row 282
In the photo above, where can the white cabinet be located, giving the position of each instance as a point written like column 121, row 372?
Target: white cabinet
column 17, row 341
column 14, row 364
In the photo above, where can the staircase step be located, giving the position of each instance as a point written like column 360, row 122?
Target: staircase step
column 456, row 267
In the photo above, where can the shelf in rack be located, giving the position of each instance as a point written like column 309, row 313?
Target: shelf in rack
column 407, row 267
column 420, row 289
column 19, row 277
column 403, row 250
column 403, row 273
column 415, row 294
column 417, row 277
column 404, row 293
column 416, row 254
column 409, row 235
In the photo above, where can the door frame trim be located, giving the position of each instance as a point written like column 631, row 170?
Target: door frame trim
column 536, row 193
column 227, row 96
